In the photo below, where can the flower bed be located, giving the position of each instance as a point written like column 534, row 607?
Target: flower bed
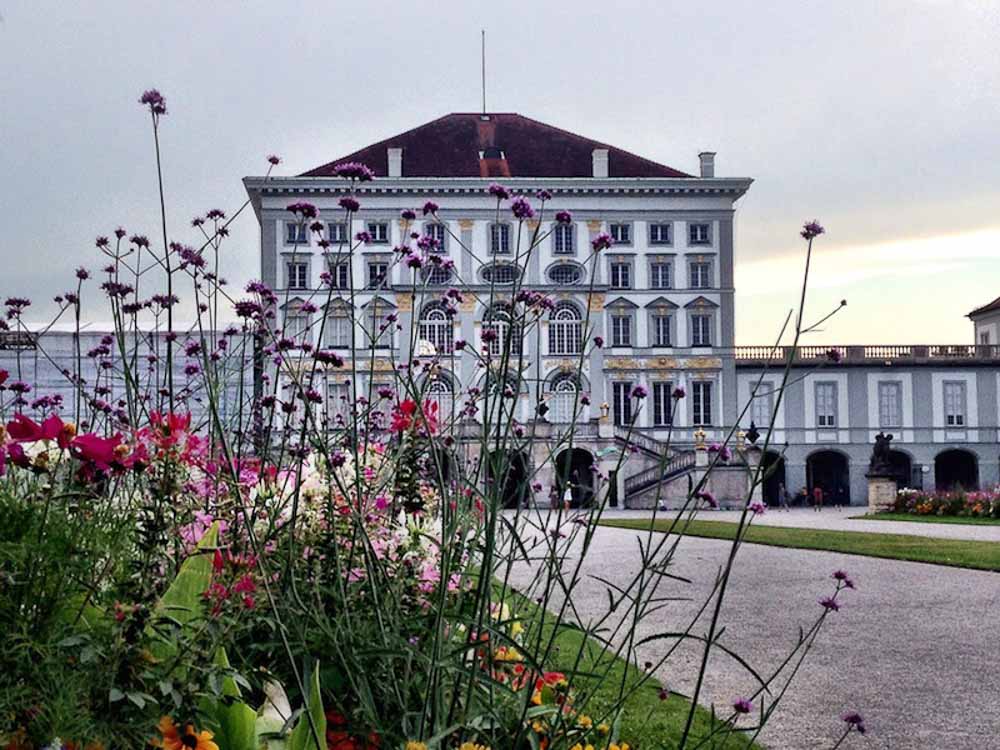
column 974, row 504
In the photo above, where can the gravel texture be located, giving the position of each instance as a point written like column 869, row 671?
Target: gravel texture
column 915, row 649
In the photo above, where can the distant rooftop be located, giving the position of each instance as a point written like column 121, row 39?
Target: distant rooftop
column 501, row 144
column 991, row 307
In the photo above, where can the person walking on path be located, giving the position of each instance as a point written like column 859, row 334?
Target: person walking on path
column 782, row 497
column 818, row 498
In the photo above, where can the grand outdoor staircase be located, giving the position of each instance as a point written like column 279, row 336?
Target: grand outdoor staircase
column 678, row 463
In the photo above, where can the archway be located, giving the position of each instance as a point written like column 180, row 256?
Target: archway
column 574, row 470
column 513, row 467
column 829, row 471
column 773, row 469
column 902, row 468
column 956, row 469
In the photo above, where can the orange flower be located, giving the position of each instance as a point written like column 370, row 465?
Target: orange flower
column 188, row 739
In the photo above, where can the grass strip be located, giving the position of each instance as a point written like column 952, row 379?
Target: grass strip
column 914, row 518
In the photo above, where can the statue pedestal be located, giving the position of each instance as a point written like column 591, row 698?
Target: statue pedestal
column 881, row 493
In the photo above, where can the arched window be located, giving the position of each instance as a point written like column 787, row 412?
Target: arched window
column 500, row 321
column 441, row 392
column 337, row 331
column 436, row 327
column 563, row 393
column 565, row 329
column 437, row 275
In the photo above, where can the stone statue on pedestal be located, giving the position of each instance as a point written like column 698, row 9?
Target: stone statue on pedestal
column 880, row 463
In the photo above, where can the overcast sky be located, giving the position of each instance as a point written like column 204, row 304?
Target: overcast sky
column 880, row 119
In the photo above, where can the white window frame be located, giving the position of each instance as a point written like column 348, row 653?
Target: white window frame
column 379, row 231
column 300, row 232
column 620, row 274
column 436, row 327
column 699, row 233
column 621, row 328
column 564, row 239
column 373, row 282
column 826, row 396
column 661, row 327
column 762, row 405
column 657, row 270
column 340, row 273
column 621, row 403
column 955, row 401
column 621, row 232
column 338, row 233
column 661, row 233
column 565, row 330
column 296, row 274
column 890, row 403
column 701, row 324
column 701, row 403
column 663, row 403
column 438, row 231
column 499, row 234
column 699, row 274
column 337, row 334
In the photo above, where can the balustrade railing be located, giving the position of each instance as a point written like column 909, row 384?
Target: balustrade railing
column 869, row 354
column 678, row 463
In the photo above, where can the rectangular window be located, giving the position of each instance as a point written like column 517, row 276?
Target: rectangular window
column 701, row 330
column 296, row 234
column 698, row 234
column 437, row 231
column 500, row 238
column 297, row 274
column 621, row 233
column 564, row 239
column 954, row 403
column 621, row 330
column 984, row 338
column 890, row 404
column 826, row 404
column 701, row 403
column 338, row 401
column 659, row 275
column 378, row 274
column 660, row 234
column 661, row 330
column 662, row 403
column 297, row 326
column 379, row 230
column 700, row 275
column 340, row 275
column 621, row 275
column 337, row 232
column 338, row 331
column 762, row 405
column 622, row 393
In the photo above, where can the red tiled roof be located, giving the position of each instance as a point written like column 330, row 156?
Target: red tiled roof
column 466, row 145
column 991, row 307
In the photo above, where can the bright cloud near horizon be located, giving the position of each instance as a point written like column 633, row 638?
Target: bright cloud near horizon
column 878, row 119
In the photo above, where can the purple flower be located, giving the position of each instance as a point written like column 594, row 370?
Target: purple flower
column 82, row 273
column 602, row 242
column 840, row 575
column 215, row 214
column 498, row 191
column 639, row 392
column 303, row 209
column 408, row 215
column 354, row 171
column 273, row 160
column 413, row 261
column 830, row 604
column 155, row 101
column 678, row 393
column 120, row 232
column 757, row 508
column 363, row 237
column 430, row 207
column 564, row 217
column 459, row 345
column 599, row 342
column 855, row 721
column 521, row 208
column 102, row 242
column 833, row 355
column 812, row 229
column 139, row 240
column 543, row 195
column 349, row 204
column 742, row 706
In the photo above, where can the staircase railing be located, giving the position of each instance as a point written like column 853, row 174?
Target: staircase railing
column 678, row 464
column 640, row 440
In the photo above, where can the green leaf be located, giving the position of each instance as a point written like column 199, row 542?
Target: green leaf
column 302, row 736
column 115, row 695
column 229, row 687
column 237, row 726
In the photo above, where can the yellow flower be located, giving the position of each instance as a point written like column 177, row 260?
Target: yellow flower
column 603, row 728
column 175, row 739
column 536, row 697
column 472, row 746
column 585, row 721
column 516, row 628
column 414, row 745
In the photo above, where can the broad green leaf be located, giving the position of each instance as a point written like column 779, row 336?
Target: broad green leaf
column 237, row 725
column 302, row 736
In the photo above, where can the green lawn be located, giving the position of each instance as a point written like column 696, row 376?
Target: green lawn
column 647, row 722
column 963, row 520
column 957, row 553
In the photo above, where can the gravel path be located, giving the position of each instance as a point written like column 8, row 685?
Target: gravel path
column 844, row 520
column 915, row 649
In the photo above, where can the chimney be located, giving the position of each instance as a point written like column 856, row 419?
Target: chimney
column 395, row 162
column 707, row 159
column 600, row 162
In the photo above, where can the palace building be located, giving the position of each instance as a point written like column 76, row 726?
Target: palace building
column 662, row 298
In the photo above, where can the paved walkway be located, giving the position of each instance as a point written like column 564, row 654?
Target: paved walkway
column 915, row 648
column 843, row 520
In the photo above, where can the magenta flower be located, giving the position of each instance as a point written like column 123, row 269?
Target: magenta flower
column 833, row 355
column 757, row 508
column 430, row 207
column 602, row 242
column 273, row 160
column 521, row 208
column 742, row 706
column 349, row 204
column 155, row 101
column 678, row 393
column 812, row 229
column 639, row 392
column 498, row 191
column 354, row 171
column 854, row 720
column 303, row 209
column 599, row 342
column 102, row 242
column 363, row 237
column 708, row 497
column 543, row 195
column 840, row 575
column 564, row 217
column 408, row 215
